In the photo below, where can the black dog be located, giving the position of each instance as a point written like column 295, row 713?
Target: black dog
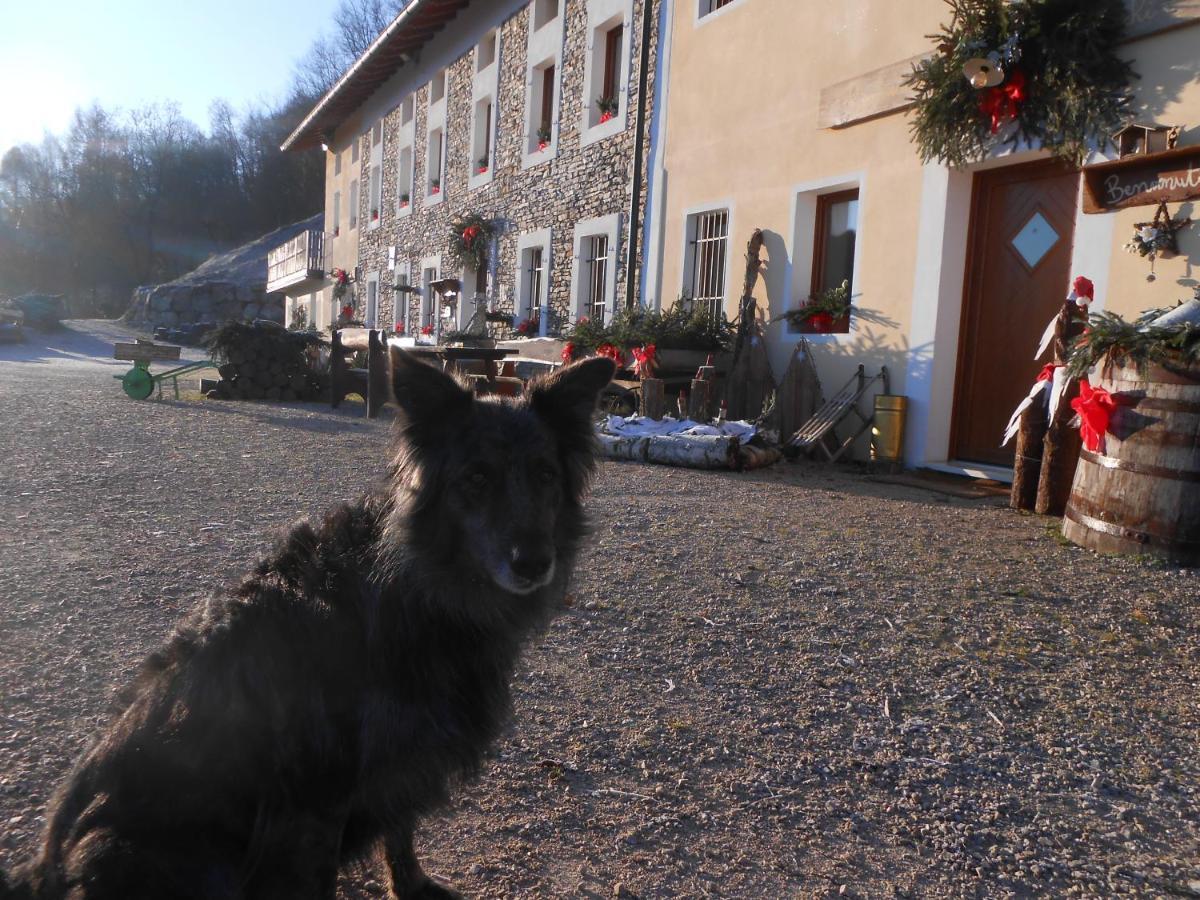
column 363, row 668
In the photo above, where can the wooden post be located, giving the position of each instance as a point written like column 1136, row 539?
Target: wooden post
column 1060, row 456
column 700, row 400
column 654, row 403
column 1027, row 466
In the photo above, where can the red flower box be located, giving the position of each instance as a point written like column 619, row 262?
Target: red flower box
column 607, row 117
column 825, row 323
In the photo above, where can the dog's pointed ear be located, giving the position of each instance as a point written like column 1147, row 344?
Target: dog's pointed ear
column 425, row 395
column 570, row 394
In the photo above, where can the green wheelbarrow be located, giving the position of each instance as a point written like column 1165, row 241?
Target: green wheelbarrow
column 139, row 382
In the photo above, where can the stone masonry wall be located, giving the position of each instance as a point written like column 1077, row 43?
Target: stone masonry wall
column 579, row 183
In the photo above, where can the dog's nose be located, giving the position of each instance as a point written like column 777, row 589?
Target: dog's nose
column 531, row 564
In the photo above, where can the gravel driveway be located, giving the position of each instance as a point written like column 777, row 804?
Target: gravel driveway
column 787, row 683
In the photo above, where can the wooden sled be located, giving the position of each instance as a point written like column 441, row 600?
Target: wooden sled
column 820, row 432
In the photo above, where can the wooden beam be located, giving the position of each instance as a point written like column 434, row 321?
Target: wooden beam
column 882, row 92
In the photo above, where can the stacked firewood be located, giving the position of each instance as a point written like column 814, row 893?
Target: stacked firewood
column 263, row 361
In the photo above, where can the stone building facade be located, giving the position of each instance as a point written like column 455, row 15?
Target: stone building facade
column 562, row 208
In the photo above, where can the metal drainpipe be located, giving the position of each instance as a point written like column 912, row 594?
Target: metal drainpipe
column 639, row 138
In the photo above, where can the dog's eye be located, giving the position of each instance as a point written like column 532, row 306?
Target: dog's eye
column 477, row 480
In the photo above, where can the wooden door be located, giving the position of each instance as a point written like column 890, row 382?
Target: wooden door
column 1018, row 274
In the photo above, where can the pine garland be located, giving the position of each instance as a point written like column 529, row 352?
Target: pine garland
column 470, row 238
column 1136, row 343
column 1074, row 87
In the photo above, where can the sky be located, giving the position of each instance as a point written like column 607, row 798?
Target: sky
column 56, row 55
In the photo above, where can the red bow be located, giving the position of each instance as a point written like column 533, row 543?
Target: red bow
column 1095, row 406
column 1001, row 102
column 469, row 234
column 643, row 361
column 612, row 353
column 1083, row 287
column 568, row 351
column 1047, row 373
column 347, row 312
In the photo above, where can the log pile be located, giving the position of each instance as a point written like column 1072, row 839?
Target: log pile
column 264, row 361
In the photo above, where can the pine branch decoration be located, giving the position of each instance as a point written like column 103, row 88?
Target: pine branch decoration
column 1076, row 86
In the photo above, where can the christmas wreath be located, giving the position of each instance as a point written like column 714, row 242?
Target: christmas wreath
column 341, row 283
column 469, row 240
column 1044, row 71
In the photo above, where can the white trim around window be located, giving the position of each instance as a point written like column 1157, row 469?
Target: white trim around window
column 401, row 274
column 594, row 267
column 545, row 49
column 533, row 256
column 804, row 232
column 431, row 270
column 603, row 17
column 371, row 310
column 406, row 156
column 708, row 10
column 485, row 84
column 692, row 219
column 435, row 129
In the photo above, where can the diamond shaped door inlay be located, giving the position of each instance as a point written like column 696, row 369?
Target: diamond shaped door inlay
column 1035, row 239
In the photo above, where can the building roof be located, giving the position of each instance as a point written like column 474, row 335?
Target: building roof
column 416, row 24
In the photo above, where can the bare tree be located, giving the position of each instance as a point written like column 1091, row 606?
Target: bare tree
column 356, row 25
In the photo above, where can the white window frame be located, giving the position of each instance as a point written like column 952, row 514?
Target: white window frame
column 336, row 230
column 406, row 142
column 402, row 274
column 602, row 16
column 581, row 300
column 428, row 264
column 435, row 121
column 690, row 220
column 804, row 234
column 485, row 88
column 337, row 163
column 545, row 46
column 353, row 204
column 705, row 13
column 371, row 306
column 530, row 240
column 375, row 176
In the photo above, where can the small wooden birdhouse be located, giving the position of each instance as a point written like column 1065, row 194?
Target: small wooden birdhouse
column 1135, row 139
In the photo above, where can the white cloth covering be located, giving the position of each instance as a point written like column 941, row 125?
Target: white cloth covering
column 640, row 426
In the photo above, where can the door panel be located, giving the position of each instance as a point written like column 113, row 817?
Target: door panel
column 1018, row 272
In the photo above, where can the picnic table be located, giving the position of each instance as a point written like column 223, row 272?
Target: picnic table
column 452, row 357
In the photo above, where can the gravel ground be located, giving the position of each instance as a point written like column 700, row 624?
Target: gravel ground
column 788, row 683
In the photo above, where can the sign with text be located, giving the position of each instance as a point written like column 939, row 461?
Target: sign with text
column 1142, row 180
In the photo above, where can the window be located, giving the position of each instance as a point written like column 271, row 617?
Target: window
column 594, row 273
column 481, row 140
column 353, row 204
column 707, row 251
column 544, row 12
column 595, row 267
column 546, row 118
column 404, row 178
column 437, row 88
column 543, row 78
column 337, row 163
column 485, row 52
column 613, row 39
column 429, row 274
column 533, row 274
column 836, row 231
column 711, row 6
column 434, row 164
column 405, row 136
column 376, row 193
column 375, row 176
column 372, row 312
column 606, row 68
column 337, row 213
column 354, row 150
column 534, row 262
column 400, row 306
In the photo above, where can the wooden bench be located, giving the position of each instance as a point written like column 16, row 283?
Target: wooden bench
column 370, row 383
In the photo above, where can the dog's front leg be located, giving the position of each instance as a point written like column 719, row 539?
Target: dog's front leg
column 408, row 881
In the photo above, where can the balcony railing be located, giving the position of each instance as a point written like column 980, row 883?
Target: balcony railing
column 300, row 259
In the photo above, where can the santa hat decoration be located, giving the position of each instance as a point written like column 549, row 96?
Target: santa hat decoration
column 1082, row 291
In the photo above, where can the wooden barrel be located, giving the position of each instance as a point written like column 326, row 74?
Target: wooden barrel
column 1142, row 494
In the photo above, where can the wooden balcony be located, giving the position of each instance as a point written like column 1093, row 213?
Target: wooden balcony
column 299, row 261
